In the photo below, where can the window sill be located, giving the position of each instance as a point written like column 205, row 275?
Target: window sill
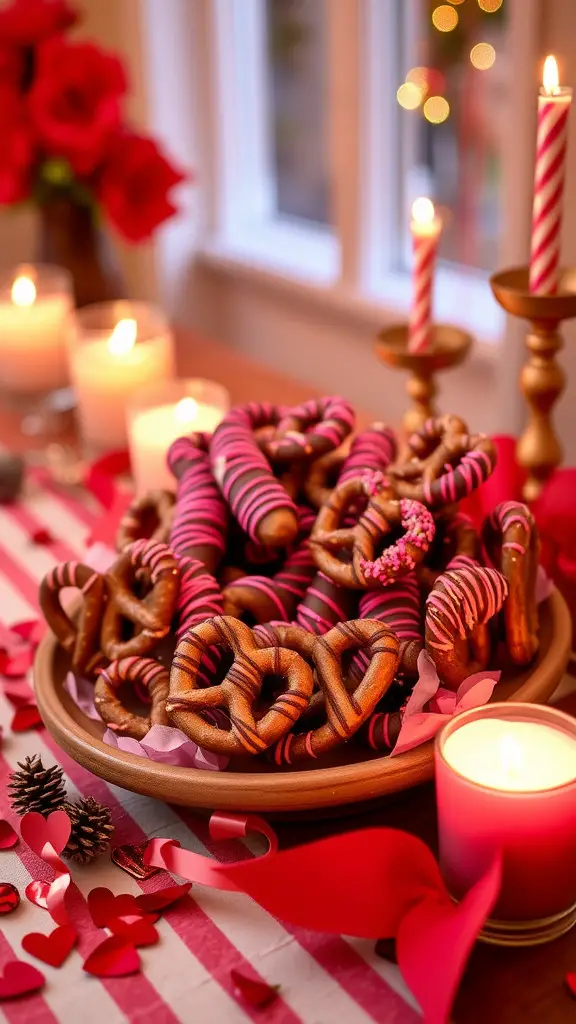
column 302, row 264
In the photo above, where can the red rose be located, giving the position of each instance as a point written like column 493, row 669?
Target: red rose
column 75, row 101
column 17, row 149
column 134, row 186
column 29, row 22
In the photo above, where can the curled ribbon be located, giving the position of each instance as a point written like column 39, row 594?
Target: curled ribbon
column 47, row 837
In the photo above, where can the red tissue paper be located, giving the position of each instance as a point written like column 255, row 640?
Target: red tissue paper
column 375, row 883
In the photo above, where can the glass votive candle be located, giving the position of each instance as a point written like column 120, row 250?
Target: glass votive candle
column 118, row 347
column 506, row 781
column 35, row 328
column 159, row 414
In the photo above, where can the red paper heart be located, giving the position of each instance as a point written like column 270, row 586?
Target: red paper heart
column 18, row 663
column 113, row 958
column 19, row 979
column 37, row 893
column 571, row 982
column 52, row 949
column 104, row 906
column 254, row 992
column 32, row 631
column 17, row 692
column 8, row 837
column 163, row 898
column 138, row 930
column 36, row 831
column 42, row 537
column 26, row 717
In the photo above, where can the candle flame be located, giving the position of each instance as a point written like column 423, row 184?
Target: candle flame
column 23, row 292
column 423, row 211
column 186, row 410
column 550, row 78
column 123, row 337
column 511, row 756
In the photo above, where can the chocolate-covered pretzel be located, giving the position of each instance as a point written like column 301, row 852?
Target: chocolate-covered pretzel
column 200, row 522
column 511, row 539
column 399, row 607
column 363, row 568
column 245, row 477
column 80, row 639
column 148, row 517
column 142, row 672
column 456, row 546
column 264, row 598
column 373, row 449
column 239, row 691
column 311, row 429
column 458, row 609
column 345, row 711
column 152, row 614
column 325, row 604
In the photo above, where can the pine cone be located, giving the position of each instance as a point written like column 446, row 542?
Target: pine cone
column 91, row 830
column 36, row 788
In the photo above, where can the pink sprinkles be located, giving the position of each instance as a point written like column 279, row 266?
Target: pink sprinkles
column 397, row 560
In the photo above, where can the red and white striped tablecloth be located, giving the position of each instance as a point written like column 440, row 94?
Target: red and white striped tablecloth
column 186, row 977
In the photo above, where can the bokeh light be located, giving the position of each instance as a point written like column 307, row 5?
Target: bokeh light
column 482, row 56
column 419, row 77
column 456, row 2
column 409, row 96
column 436, row 109
column 490, row 5
column 444, row 18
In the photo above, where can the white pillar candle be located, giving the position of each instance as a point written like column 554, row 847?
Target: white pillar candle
column 35, row 324
column 107, row 368
column 153, row 427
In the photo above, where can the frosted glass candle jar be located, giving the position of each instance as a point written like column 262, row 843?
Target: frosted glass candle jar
column 506, row 780
column 118, row 348
column 160, row 414
column 35, row 328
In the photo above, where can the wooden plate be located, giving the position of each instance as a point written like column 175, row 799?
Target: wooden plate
column 352, row 778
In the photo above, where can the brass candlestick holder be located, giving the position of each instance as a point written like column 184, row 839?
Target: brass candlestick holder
column 449, row 347
column 542, row 379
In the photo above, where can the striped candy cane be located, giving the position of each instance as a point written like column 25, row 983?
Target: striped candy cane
column 425, row 228
column 553, row 110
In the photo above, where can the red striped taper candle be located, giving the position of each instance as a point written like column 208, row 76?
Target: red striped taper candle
column 425, row 227
column 553, row 109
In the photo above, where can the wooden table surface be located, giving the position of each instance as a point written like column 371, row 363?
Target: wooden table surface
column 500, row 986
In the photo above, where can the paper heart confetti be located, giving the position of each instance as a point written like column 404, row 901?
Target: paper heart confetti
column 150, row 901
column 571, row 983
column 113, row 958
column 26, row 717
column 38, row 831
column 139, row 931
column 255, row 992
column 19, row 979
column 104, row 906
column 32, row 631
column 130, row 859
column 37, row 893
column 54, row 948
column 17, row 663
column 18, row 693
column 8, row 837
column 42, row 537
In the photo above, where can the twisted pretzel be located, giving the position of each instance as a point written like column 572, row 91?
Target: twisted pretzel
column 458, row 609
column 322, row 477
column 148, row 517
column 200, row 522
column 373, row 449
column 144, row 672
column 311, row 429
column 345, row 711
column 239, row 691
column 382, row 514
column 151, row 614
column 82, row 639
column 276, row 598
column 511, row 539
column 256, row 498
column 451, row 465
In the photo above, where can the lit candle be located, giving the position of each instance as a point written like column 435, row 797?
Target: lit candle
column 35, row 323
column 159, row 415
column 553, row 109
column 506, row 780
column 110, row 364
column 425, row 228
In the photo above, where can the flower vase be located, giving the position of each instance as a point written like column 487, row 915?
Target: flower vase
column 70, row 237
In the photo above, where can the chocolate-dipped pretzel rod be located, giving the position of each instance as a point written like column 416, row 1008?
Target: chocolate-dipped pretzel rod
column 152, row 614
column 399, row 607
column 200, row 598
column 458, row 609
column 325, row 604
column 256, row 498
column 148, row 517
column 372, row 449
column 80, row 639
column 265, row 599
column 311, row 429
column 511, row 540
column 142, row 672
column 200, row 519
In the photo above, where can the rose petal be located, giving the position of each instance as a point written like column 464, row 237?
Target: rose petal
column 113, row 958
column 27, row 717
column 31, row 631
column 255, row 992
column 42, row 537
column 18, row 663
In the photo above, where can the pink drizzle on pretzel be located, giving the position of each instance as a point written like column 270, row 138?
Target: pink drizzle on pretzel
column 374, row 448
column 200, row 517
column 286, row 589
column 399, row 607
column 458, row 481
column 239, row 466
column 468, row 597
column 326, row 422
column 395, row 560
column 324, row 605
column 154, row 556
column 507, row 514
column 200, row 598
